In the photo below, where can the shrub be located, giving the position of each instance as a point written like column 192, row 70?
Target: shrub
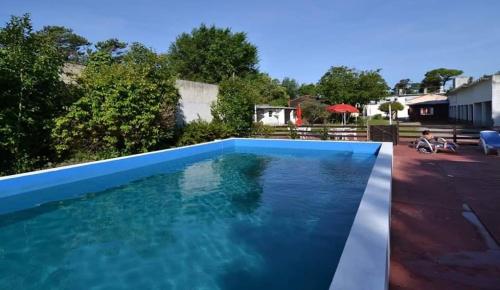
column 377, row 117
column 259, row 129
column 292, row 128
column 324, row 133
column 200, row 131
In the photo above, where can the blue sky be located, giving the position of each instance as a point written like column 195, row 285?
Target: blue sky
column 302, row 39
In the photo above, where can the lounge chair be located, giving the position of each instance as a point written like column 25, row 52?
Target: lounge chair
column 435, row 145
column 489, row 141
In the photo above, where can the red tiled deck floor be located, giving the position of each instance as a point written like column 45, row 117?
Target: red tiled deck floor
column 432, row 245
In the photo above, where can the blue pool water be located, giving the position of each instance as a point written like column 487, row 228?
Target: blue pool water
column 245, row 219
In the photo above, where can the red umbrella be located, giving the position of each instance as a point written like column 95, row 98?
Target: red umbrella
column 342, row 108
column 298, row 122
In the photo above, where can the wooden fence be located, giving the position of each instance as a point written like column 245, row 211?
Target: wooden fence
column 457, row 133
column 317, row 132
column 462, row 134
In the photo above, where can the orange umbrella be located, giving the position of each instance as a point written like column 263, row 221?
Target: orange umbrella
column 299, row 122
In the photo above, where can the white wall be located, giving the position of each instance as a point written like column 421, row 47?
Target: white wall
column 372, row 109
column 495, row 102
column 277, row 116
column 196, row 101
column 474, row 103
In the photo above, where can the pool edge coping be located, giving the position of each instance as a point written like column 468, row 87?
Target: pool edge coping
column 364, row 263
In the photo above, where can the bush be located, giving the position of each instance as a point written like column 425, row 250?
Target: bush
column 377, row 117
column 200, row 131
column 259, row 129
column 324, row 133
column 292, row 128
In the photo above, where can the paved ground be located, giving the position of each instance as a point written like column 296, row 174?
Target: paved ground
column 433, row 246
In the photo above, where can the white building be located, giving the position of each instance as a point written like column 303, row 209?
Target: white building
column 274, row 115
column 371, row 109
column 477, row 102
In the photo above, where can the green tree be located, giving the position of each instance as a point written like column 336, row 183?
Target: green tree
column 128, row 105
column 69, row 43
column 395, row 107
column 314, row 112
column 403, row 86
column 437, row 78
column 347, row 85
column 235, row 104
column 291, row 86
column 30, row 95
column 268, row 90
column 211, row 54
column 308, row 89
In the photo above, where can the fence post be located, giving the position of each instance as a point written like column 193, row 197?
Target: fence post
column 454, row 133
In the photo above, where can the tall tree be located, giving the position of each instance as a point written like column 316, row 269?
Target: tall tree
column 307, row 89
column 128, row 105
column 235, row 104
column 291, row 86
column 268, row 90
column 402, row 86
column 437, row 78
column 211, row 54
column 30, row 96
column 69, row 43
column 347, row 85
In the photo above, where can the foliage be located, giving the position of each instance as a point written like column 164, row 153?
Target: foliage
column 292, row 129
column 70, row 44
column 402, row 85
column 235, row 104
column 259, row 130
column 211, row 54
column 199, row 131
column 437, row 78
column 128, row 105
column 291, row 86
column 347, row 85
column 31, row 94
column 395, row 107
column 324, row 133
column 308, row 89
column 269, row 90
column 377, row 117
column 314, row 112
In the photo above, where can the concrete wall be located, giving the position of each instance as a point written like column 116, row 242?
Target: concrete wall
column 196, row 101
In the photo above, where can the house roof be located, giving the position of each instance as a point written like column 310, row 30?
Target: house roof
column 265, row 106
column 471, row 84
column 301, row 99
column 428, row 99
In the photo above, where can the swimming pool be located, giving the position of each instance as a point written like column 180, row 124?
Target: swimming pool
column 230, row 214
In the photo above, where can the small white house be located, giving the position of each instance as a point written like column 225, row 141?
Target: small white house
column 477, row 102
column 371, row 109
column 274, row 115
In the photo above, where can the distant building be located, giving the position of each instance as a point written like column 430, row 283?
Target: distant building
column 274, row 115
column 477, row 102
column 431, row 107
column 371, row 109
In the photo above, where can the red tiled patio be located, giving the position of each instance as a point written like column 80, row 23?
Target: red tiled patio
column 433, row 246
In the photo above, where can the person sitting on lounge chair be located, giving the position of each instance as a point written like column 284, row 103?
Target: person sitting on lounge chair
column 430, row 144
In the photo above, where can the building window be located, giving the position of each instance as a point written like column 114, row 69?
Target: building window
column 427, row 111
column 270, row 113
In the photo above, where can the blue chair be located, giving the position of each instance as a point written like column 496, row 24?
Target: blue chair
column 489, row 141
